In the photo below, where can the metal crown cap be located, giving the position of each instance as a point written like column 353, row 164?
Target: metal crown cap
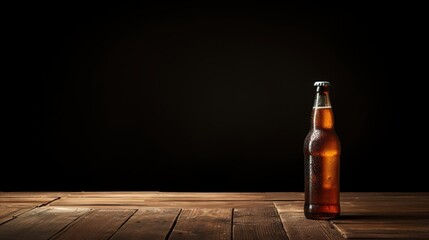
column 322, row 83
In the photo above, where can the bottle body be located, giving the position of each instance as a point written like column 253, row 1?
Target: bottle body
column 322, row 150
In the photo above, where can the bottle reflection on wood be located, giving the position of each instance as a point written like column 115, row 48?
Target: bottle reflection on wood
column 322, row 151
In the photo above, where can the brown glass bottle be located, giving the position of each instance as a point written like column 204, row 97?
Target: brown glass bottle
column 322, row 151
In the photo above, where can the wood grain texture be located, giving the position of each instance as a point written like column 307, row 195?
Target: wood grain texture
column 258, row 223
column 175, row 215
column 190, row 196
column 203, row 223
column 31, row 194
column 26, row 201
column 102, row 202
column 298, row 227
column 384, row 215
column 290, row 206
column 149, row 224
column 384, row 225
column 39, row 223
column 7, row 213
column 97, row 224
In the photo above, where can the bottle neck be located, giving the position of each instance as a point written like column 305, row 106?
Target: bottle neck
column 322, row 97
column 322, row 115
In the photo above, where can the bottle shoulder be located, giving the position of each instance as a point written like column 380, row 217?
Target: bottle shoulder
column 317, row 139
column 322, row 132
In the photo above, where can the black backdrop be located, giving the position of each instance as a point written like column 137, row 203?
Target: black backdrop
column 193, row 98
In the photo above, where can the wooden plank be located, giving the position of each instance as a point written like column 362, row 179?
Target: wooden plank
column 386, row 205
column 148, row 223
column 257, row 223
column 367, row 215
column 192, row 196
column 26, row 201
column 203, row 223
column 299, row 227
column 374, row 215
column 136, row 203
column 7, row 213
column 384, row 225
column 383, row 195
column 97, row 224
column 39, row 223
column 384, row 215
column 368, row 206
column 285, row 196
column 269, row 196
column 290, row 206
column 32, row 194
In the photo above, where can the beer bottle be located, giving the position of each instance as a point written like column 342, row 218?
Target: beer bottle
column 322, row 159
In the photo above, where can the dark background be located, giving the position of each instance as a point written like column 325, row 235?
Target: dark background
column 209, row 98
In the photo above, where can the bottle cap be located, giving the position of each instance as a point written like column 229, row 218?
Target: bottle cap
column 322, row 83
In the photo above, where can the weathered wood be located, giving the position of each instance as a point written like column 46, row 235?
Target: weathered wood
column 39, row 223
column 116, row 202
column 8, row 213
column 364, row 215
column 386, row 205
column 383, row 225
column 258, row 223
column 207, row 224
column 384, row 230
column 191, row 196
column 383, row 195
column 384, row 215
column 298, row 227
column 149, row 224
column 368, row 205
column 97, row 224
column 26, row 201
column 31, row 194
column 250, row 196
column 290, row 206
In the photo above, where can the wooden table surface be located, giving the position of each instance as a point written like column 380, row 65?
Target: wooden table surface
column 201, row 215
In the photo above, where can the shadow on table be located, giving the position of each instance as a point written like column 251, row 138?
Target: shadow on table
column 384, row 216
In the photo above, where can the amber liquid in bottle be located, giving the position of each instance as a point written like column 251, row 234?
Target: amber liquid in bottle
column 322, row 151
